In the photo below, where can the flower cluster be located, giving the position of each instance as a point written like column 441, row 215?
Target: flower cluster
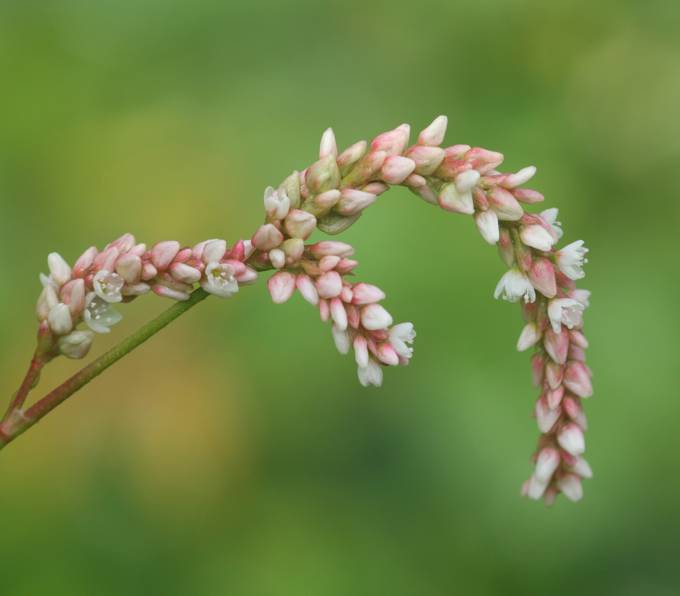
column 88, row 292
column 359, row 321
column 332, row 194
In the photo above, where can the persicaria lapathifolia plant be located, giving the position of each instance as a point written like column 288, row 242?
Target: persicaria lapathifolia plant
column 79, row 301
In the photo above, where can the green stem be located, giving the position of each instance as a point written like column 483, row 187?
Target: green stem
column 17, row 422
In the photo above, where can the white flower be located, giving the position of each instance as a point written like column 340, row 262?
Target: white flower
column 565, row 311
column 513, row 286
column 583, row 296
column 99, row 315
column 108, row 286
column 371, row 374
column 400, row 336
column 76, row 344
column 537, row 237
column 550, row 217
column 220, row 280
column 571, row 259
column 276, row 204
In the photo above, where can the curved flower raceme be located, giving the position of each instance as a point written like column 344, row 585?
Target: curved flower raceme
column 331, row 195
column 333, row 192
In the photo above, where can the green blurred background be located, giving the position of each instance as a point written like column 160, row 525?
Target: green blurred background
column 236, row 453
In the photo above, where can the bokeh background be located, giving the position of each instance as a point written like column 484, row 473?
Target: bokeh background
column 236, row 453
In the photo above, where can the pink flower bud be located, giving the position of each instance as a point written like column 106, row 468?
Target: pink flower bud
column 76, row 344
column 451, row 199
column 365, row 169
column 171, row 293
column 354, row 201
column 542, row 276
column 124, row 243
column 374, row 316
column 554, row 397
column 281, row 286
column 526, row 195
column 294, row 248
column 571, row 439
column 537, row 369
column 84, row 262
column 247, row 277
column 554, row 373
column 574, row 410
column 138, row 250
column 505, row 205
column 73, row 295
column 214, row 251
column 361, row 350
column 397, row 168
column 323, row 175
column 387, row 355
column 546, row 463
column 534, row 488
column 338, row 313
column 328, row 262
column 367, row 294
column 267, row 237
column 582, row 468
column 483, row 160
column 329, row 285
column 467, row 180
column 163, row 253
column 545, row 417
column 129, row 267
column 59, row 319
column 557, row 345
column 48, row 299
column 328, row 146
column 505, row 247
column 341, row 339
column 392, row 142
column 427, row 159
column 529, row 336
column 299, row 224
column 351, row 155
column 324, row 310
column 434, row 133
column 277, row 258
column 570, row 485
column 331, row 247
column 148, row 272
column 185, row 273
column 487, row 224
column 59, row 268
column 521, row 177
column 578, row 339
column 537, row 237
column 577, row 379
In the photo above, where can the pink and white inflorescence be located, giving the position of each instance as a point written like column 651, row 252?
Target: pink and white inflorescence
column 86, row 294
column 331, row 195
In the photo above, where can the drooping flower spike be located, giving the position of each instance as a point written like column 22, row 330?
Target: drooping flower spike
column 331, row 195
